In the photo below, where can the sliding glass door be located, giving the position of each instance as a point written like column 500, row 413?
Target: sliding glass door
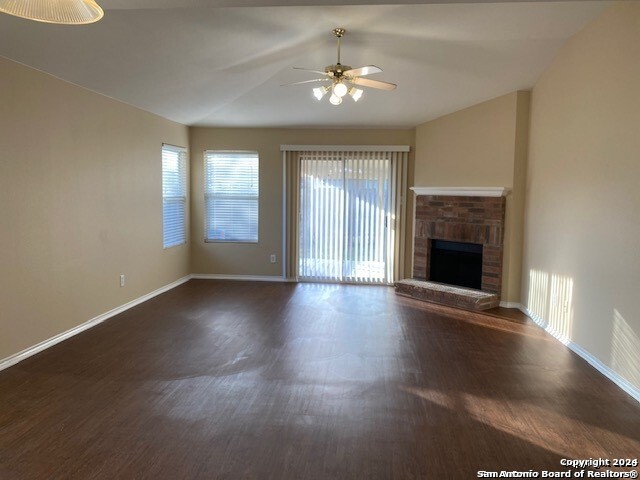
column 344, row 213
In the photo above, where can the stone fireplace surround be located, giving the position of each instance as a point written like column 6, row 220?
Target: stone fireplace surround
column 463, row 214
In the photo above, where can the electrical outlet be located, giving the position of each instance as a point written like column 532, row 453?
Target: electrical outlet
column 273, row 258
column 122, row 280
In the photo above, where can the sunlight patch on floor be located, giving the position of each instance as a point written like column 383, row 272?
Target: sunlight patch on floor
column 541, row 426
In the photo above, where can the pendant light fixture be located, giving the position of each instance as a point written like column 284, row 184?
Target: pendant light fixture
column 67, row 12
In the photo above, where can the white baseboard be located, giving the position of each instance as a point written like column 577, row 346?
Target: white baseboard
column 511, row 305
column 246, row 278
column 586, row 356
column 28, row 352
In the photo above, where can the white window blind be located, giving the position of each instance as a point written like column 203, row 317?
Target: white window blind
column 231, row 196
column 174, row 195
column 337, row 198
column 345, row 208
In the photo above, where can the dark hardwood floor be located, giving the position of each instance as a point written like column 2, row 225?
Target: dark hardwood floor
column 243, row 380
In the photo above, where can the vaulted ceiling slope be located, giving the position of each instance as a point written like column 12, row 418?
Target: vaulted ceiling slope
column 206, row 63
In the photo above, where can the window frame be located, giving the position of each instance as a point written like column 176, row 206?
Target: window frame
column 183, row 169
column 208, row 194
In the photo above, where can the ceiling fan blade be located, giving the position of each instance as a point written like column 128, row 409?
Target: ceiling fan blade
column 365, row 82
column 311, row 70
column 362, row 71
column 307, row 81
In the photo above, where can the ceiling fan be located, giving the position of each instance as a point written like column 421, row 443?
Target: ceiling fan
column 343, row 78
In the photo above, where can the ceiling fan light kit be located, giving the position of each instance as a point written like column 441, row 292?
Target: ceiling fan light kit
column 343, row 78
column 320, row 92
column 340, row 89
column 66, row 12
column 355, row 93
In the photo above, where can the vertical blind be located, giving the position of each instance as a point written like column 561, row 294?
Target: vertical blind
column 344, row 209
column 344, row 213
column 367, row 216
column 231, row 196
column 322, row 217
column 174, row 195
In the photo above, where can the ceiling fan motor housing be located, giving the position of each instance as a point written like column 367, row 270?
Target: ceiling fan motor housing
column 337, row 70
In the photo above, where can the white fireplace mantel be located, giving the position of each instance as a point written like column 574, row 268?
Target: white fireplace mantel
column 462, row 191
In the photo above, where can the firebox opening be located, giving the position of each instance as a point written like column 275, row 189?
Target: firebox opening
column 456, row 263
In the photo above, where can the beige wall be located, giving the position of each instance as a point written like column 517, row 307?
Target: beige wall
column 482, row 146
column 80, row 189
column 253, row 259
column 80, row 196
column 581, row 270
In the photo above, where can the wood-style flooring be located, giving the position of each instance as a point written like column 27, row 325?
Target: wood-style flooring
column 252, row 380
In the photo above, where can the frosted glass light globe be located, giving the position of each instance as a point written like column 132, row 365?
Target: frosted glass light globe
column 335, row 100
column 340, row 89
column 319, row 93
column 355, row 93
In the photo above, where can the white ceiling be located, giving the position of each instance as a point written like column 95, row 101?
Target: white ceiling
column 199, row 62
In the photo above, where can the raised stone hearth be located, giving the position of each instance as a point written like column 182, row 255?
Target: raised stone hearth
column 466, row 215
column 452, row 296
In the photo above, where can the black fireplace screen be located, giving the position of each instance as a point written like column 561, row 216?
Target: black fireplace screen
column 456, row 263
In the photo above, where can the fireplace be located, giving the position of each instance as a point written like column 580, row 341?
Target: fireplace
column 457, row 247
column 456, row 263
column 460, row 216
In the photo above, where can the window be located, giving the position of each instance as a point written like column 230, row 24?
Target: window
column 344, row 212
column 231, row 196
column 344, row 207
column 174, row 195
